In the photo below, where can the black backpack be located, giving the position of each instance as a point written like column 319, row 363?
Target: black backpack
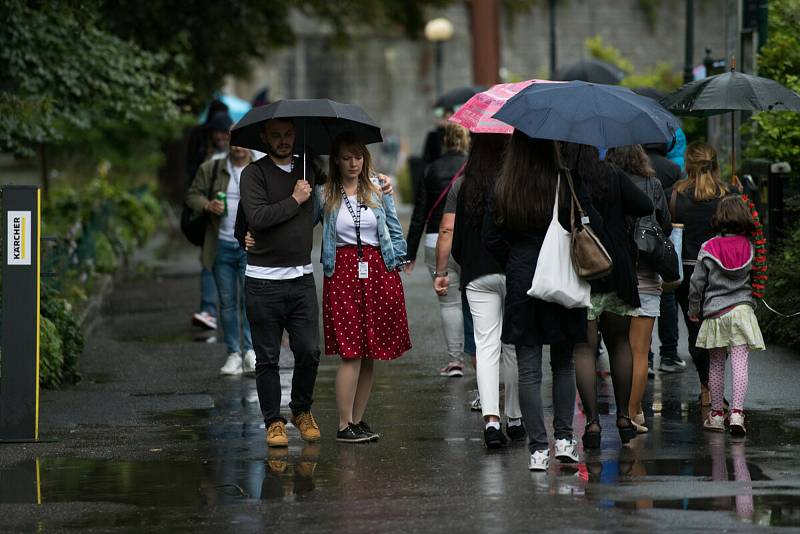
column 194, row 226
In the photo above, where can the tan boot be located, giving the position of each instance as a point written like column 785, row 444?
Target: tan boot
column 307, row 426
column 276, row 435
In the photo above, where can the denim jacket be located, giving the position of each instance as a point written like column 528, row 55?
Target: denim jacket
column 390, row 233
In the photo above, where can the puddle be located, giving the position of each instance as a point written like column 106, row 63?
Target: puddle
column 160, row 483
column 766, row 510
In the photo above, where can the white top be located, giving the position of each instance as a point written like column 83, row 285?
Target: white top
column 431, row 239
column 346, row 228
column 279, row 273
column 228, row 223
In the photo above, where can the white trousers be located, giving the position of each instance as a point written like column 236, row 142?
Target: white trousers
column 486, row 296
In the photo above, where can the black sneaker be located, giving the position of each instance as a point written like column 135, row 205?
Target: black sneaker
column 494, row 438
column 351, row 434
column 517, row 432
column 367, row 431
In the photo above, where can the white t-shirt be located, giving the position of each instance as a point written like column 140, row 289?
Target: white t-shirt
column 228, row 223
column 346, row 228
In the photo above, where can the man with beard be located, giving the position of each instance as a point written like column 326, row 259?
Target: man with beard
column 279, row 281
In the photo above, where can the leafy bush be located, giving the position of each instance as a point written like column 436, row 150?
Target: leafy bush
column 59, row 358
column 51, row 359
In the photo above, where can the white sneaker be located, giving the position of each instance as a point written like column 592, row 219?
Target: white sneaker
column 540, row 460
column 205, row 320
column 565, row 450
column 249, row 365
column 233, row 365
column 715, row 423
column 736, row 424
column 475, row 406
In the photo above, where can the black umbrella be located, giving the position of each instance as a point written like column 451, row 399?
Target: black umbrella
column 728, row 92
column 317, row 123
column 649, row 92
column 457, row 97
column 589, row 114
column 592, row 70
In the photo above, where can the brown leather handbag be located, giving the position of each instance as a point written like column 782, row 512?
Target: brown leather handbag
column 589, row 257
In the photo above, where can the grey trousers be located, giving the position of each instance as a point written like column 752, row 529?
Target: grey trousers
column 529, row 363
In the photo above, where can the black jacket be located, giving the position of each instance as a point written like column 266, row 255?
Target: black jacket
column 621, row 201
column 696, row 218
column 528, row 321
column 437, row 176
column 667, row 171
column 468, row 248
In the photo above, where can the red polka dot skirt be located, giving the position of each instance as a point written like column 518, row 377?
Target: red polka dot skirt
column 364, row 318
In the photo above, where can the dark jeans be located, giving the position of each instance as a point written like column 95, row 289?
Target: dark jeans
column 272, row 307
column 700, row 356
column 469, row 329
column 667, row 328
column 529, row 363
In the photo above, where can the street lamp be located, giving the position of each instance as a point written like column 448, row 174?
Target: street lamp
column 438, row 31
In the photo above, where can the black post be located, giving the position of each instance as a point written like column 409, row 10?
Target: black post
column 439, row 60
column 553, row 64
column 19, row 367
column 763, row 20
column 689, row 52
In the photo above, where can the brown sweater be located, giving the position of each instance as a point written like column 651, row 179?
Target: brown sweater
column 282, row 229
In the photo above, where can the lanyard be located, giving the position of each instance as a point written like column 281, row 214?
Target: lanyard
column 356, row 215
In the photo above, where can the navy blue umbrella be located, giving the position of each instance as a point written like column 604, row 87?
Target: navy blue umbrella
column 588, row 114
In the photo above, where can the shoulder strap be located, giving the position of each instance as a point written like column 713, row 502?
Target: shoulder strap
column 214, row 171
column 575, row 201
column 673, row 204
column 444, row 192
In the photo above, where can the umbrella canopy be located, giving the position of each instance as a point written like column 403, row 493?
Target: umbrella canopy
column 456, row 97
column 476, row 114
column 731, row 91
column 649, row 92
column 592, row 70
column 589, row 114
column 317, row 123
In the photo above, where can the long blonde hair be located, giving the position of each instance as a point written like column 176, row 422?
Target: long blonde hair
column 456, row 138
column 332, row 193
column 703, row 174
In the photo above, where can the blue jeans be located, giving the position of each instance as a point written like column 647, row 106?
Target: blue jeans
column 208, row 293
column 229, row 267
column 667, row 328
column 469, row 330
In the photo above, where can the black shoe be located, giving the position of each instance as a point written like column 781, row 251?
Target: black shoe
column 367, row 431
column 626, row 432
column 351, row 434
column 591, row 440
column 516, row 433
column 494, row 438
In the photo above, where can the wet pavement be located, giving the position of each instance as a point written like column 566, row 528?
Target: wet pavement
column 154, row 441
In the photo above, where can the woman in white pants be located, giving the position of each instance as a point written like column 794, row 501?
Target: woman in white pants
column 485, row 283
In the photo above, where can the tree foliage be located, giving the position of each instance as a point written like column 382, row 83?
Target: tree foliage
column 777, row 134
column 62, row 72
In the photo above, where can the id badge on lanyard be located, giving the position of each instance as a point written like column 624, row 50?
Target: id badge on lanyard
column 363, row 269
column 363, row 266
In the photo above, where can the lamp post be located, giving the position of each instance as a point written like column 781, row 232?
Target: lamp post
column 438, row 31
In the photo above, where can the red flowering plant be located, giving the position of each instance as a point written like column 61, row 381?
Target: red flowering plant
column 758, row 274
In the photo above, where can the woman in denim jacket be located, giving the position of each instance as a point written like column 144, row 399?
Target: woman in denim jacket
column 363, row 305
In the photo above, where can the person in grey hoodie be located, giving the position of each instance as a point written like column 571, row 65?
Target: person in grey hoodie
column 721, row 293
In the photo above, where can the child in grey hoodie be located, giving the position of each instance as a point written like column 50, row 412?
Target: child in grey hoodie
column 721, row 294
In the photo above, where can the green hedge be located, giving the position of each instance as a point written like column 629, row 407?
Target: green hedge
column 97, row 226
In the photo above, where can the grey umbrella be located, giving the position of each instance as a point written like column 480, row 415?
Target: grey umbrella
column 592, row 70
column 728, row 92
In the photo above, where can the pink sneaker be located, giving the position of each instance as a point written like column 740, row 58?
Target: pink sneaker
column 452, row 369
column 204, row 320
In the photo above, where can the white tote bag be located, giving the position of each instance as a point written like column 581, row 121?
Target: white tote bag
column 555, row 279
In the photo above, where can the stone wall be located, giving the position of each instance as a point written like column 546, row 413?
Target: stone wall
column 392, row 77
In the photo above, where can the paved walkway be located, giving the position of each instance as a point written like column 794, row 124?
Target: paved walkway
column 154, row 441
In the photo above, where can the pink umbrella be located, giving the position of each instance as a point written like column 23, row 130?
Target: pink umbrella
column 476, row 113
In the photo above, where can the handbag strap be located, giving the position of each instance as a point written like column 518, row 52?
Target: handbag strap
column 444, row 192
column 575, row 201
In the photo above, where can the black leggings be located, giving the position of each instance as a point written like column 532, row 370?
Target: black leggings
column 615, row 330
column 700, row 356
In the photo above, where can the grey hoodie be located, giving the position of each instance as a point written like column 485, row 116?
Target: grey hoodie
column 721, row 278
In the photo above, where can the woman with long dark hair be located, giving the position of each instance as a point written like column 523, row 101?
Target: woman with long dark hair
column 615, row 298
column 633, row 160
column 514, row 229
column 483, row 280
